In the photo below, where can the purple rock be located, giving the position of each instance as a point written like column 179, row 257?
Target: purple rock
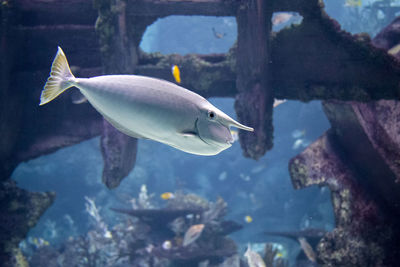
column 119, row 155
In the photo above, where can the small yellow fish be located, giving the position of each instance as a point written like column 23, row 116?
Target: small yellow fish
column 192, row 234
column 279, row 255
column 248, row 219
column 167, row 195
column 176, row 73
column 353, row 3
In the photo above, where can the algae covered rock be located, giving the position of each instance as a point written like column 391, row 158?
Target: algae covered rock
column 20, row 212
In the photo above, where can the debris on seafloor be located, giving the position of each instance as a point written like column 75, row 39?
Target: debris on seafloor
column 94, row 212
column 151, row 236
column 208, row 230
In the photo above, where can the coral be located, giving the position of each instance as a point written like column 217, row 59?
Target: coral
column 362, row 226
column 357, row 159
column 144, row 200
column 212, row 244
column 270, row 257
column 122, row 248
column 20, row 211
column 18, row 259
column 98, row 222
column 139, row 242
column 216, row 211
column 187, row 201
column 158, row 217
column 343, row 248
column 312, row 235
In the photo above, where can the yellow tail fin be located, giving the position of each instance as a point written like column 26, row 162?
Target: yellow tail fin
column 60, row 78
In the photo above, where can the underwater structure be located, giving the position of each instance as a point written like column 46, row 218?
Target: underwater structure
column 358, row 158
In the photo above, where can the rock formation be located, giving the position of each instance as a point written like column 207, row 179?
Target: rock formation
column 358, row 159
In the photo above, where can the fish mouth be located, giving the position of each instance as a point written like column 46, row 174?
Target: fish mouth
column 228, row 142
column 196, row 128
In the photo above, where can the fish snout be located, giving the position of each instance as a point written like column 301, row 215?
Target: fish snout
column 228, row 121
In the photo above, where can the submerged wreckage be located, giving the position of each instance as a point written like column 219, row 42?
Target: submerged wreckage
column 322, row 63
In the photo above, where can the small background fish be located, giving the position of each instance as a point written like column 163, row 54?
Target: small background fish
column 353, row 3
column 253, row 258
column 192, row 234
column 176, row 73
column 167, row 195
column 248, row 219
column 308, row 250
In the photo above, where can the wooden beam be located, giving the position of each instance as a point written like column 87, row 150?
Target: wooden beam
column 163, row 8
column 304, row 7
column 254, row 101
column 207, row 75
column 120, row 56
column 51, row 12
column 39, row 46
column 316, row 60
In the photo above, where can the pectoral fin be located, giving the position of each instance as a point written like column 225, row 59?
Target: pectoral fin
column 189, row 134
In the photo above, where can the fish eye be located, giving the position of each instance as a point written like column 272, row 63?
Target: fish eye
column 211, row 114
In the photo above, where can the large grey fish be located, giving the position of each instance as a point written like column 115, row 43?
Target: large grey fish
column 150, row 108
